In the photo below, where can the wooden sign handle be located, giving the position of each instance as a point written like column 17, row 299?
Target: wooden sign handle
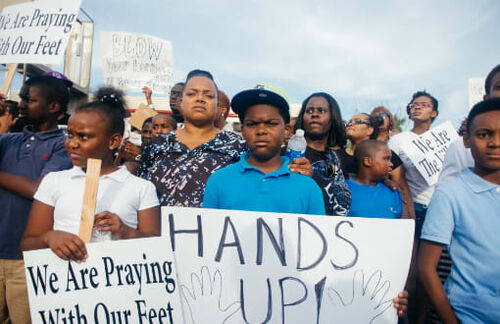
column 9, row 76
column 89, row 199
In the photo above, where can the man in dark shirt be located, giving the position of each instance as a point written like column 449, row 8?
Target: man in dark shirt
column 322, row 123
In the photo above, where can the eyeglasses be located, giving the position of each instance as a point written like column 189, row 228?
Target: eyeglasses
column 320, row 110
column 357, row 122
column 421, row 104
column 383, row 115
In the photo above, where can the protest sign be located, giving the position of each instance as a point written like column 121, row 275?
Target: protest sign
column 476, row 90
column 127, row 281
column 254, row 267
column 36, row 32
column 132, row 61
column 427, row 151
column 140, row 115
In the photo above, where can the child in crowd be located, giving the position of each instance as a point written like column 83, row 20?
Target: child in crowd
column 147, row 131
column 463, row 217
column 25, row 158
column 163, row 124
column 127, row 206
column 370, row 196
column 265, row 181
column 8, row 115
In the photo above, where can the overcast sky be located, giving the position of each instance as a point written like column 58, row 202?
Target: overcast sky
column 365, row 53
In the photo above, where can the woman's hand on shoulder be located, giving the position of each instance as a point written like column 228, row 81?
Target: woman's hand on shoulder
column 65, row 245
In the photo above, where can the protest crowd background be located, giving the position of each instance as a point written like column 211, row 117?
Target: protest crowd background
column 192, row 155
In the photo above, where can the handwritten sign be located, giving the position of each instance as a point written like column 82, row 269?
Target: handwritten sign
column 36, row 32
column 253, row 267
column 427, row 151
column 131, row 61
column 128, row 281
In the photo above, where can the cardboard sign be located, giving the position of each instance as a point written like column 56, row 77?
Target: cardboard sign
column 127, row 281
column 253, row 267
column 36, row 32
column 132, row 61
column 427, row 151
column 89, row 199
column 140, row 115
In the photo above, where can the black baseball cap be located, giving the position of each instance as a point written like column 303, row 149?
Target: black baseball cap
column 263, row 93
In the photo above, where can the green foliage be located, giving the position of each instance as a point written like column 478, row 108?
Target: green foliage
column 399, row 121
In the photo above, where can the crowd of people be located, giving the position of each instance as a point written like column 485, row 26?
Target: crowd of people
column 188, row 158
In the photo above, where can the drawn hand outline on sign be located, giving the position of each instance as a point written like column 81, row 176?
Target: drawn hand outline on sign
column 366, row 299
column 205, row 297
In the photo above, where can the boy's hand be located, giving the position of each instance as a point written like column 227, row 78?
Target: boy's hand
column 401, row 303
column 109, row 222
column 67, row 246
column 301, row 166
column 3, row 105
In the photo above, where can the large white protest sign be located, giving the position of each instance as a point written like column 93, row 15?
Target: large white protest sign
column 131, row 61
column 127, row 281
column 253, row 267
column 36, row 32
column 427, row 151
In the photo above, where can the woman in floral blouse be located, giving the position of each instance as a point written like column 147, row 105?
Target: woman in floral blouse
column 180, row 162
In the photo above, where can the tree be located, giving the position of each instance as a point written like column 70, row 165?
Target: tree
column 399, row 121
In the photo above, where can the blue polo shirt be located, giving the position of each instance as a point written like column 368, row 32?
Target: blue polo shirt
column 32, row 155
column 241, row 186
column 374, row 201
column 464, row 216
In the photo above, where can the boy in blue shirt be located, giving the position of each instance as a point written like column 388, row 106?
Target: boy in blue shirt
column 261, row 180
column 370, row 196
column 24, row 159
column 463, row 217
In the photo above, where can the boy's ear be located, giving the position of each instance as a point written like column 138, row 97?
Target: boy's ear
column 54, row 107
column 367, row 162
column 466, row 138
column 115, row 141
column 434, row 114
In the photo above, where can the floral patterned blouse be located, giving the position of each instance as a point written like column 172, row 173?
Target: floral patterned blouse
column 329, row 177
column 180, row 174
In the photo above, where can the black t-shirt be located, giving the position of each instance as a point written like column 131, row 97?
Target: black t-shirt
column 348, row 166
column 314, row 156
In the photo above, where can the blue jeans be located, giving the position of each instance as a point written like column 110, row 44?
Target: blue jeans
column 420, row 211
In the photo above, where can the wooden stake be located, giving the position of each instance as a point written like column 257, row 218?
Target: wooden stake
column 9, row 76
column 89, row 199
